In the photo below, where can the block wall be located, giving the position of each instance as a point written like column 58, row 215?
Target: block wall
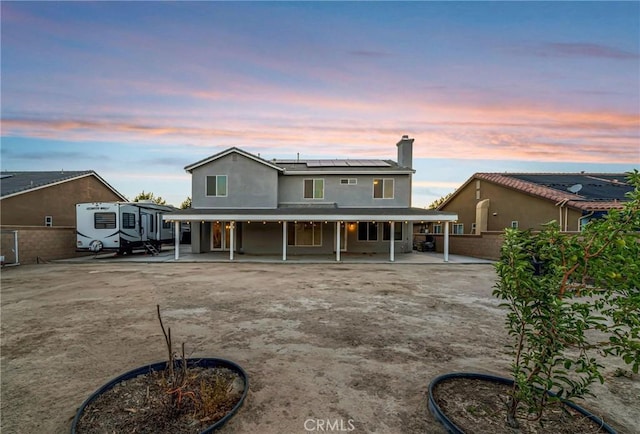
column 39, row 244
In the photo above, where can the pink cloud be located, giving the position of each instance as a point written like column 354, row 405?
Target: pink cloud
column 487, row 133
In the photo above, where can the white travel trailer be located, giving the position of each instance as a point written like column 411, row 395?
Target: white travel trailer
column 122, row 226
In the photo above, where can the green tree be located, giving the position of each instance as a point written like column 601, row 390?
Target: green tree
column 149, row 196
column 436, row 203
column 186, row 203
column 572, row 299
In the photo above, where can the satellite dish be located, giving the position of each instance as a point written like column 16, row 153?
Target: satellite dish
column 575, row 188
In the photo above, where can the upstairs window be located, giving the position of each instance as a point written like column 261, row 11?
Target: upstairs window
column 217, row 185
column 348, row 181
column 458, row 228
column 314, row 188
column 382, row 188
column 48, row 221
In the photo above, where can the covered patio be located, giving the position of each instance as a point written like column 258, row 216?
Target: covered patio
column 306, row 231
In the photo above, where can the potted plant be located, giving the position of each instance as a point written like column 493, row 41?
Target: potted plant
column 563, row 317
column 179, row 395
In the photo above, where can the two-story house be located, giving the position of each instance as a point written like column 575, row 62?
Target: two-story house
column 242, row 203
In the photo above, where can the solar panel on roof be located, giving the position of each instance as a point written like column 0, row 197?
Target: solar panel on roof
column 594, row 187
column 344, row 163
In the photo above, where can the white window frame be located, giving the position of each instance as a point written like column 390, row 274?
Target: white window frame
column 48, row 221
column 348, row 181
column 206, row 186
column 457, row 229
column 514, row 224
column 384, row 182
column 314, row 242
column 473, row 228
column 313, row 188
column 437, row 228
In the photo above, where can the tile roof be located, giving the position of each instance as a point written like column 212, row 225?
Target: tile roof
column 593, row 191
column 13, row 183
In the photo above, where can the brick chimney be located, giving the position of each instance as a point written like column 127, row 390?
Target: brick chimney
column 405, row 152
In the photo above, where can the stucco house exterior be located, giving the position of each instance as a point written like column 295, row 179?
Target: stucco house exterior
column 242, row 203
column 494, row 201
column 38, row 211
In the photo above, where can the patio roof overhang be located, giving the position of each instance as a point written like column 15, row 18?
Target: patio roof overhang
column 329, row 214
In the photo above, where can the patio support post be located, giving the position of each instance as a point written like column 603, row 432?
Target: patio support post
column 337, row 241
column 232, row 226
column 392, row 242
column 176, row 254
column 15, row 246
column 284, row 240
column 446, row 241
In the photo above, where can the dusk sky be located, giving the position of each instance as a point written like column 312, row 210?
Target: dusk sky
column 136, row 91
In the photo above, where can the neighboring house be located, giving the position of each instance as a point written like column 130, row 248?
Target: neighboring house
column 40, row 207
column 243, row 203
column 495, row 201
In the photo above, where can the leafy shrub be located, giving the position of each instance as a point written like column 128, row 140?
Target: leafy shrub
column 581, row 304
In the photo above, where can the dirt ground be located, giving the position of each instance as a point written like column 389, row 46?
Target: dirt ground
column 352, row 345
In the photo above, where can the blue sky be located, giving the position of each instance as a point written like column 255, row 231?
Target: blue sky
column 138, row 90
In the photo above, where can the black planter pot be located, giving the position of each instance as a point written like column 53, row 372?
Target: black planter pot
column 454, row 429
column 161, row 366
